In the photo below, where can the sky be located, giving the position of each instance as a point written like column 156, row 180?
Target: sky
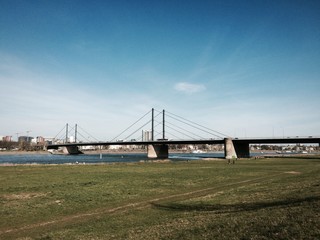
column 243, row 68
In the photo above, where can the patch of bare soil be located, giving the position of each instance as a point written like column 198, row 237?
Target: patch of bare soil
column 293, row 172
column 23, row 196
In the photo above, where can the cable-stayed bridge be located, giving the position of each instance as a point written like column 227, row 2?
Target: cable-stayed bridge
column 162, row 129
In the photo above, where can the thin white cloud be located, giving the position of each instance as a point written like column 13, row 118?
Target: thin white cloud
column 189, row 88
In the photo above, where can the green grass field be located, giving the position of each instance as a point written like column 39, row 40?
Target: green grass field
column 252, row 199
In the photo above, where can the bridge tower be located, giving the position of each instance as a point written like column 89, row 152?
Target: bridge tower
column 67, row 130
column 163, row 125
column 75, row 133
column 74, row 150
column 158, row 149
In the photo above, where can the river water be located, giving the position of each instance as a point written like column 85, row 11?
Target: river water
column 96, row 158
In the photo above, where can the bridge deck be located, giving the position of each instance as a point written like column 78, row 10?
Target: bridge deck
column 309, row 140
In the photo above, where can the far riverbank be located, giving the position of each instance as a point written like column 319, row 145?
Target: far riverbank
column 43, row 152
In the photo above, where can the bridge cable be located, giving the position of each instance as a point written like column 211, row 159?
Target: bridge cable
column 140, row 128
column 185, row 130
column 200, row 125
column 60, row 133
column 193, row 126
column 137, row 130
column 85, row 138
column 171, row 134
column 182, row 133
column 87, row 134
column 187, row 122
column 130, row 126
column 197, row 125
column 168, row 123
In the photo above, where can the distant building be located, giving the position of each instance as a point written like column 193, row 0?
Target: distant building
column 25, row 139
column 146, row 135
column 40, row 140
column 7, row 139
column 115, row 147
column 88, row 148
column 49, row 140
column 72, row 139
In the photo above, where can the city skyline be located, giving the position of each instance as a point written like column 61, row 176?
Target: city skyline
column 245, row 69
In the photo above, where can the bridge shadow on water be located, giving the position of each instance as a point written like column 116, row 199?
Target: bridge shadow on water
column 234, row 208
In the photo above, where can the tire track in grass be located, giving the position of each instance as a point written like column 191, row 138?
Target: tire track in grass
column 137, row 205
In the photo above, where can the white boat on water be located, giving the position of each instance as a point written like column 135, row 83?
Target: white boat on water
column 197, row 151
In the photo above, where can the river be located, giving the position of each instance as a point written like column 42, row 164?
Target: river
column 96, row 158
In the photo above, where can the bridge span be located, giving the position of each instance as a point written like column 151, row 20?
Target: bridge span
column 233, row 147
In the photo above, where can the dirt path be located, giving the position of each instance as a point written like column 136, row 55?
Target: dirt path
column 137, row 205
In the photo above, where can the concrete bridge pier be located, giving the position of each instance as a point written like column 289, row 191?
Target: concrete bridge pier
column 235, row 149
column 229, row 149
column 242, row 149
column 158, row 151
column 72, row 150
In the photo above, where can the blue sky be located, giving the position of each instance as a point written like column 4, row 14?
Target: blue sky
column 244, row 68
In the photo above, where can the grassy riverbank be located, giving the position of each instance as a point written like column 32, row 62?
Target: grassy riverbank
column 252, row 199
